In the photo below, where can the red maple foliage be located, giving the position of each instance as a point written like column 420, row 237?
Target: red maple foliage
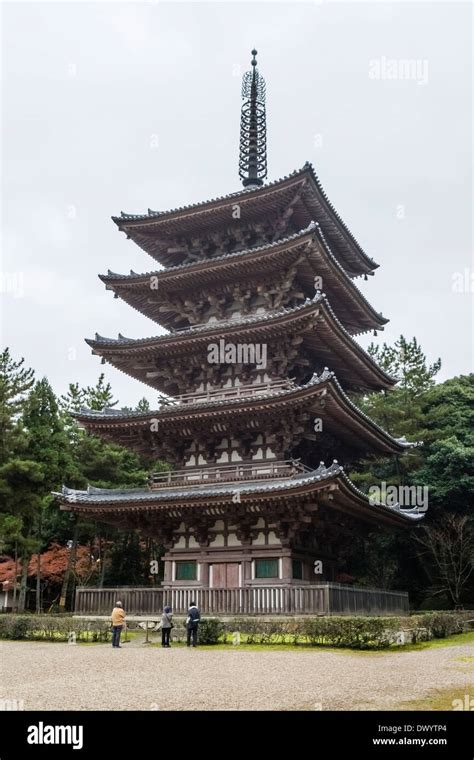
column 53, row 564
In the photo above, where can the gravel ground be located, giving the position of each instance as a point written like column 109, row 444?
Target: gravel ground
column 139, row 677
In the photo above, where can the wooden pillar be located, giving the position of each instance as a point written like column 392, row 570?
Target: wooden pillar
column 168, row 571
column 204, row 574
column 246, row 571
column 286, row 568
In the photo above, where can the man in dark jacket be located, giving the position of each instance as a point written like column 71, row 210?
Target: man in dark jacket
column 192, row 622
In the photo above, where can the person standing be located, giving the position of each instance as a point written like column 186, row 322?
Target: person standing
column 192, row 623
column 166, row 626
column 118, row 622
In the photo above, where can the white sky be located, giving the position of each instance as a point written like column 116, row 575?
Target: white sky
column 88, row 86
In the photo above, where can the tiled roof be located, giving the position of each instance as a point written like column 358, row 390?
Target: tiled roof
column 313, row 228
column 207, row 326
column 241, row 322
column 325, row 377
column 190, row 206
column 100, row 496
column 308, row 167
column 223, row 257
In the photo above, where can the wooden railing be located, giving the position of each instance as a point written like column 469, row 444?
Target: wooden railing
column 321, row 599
column 239, row 391
column 228, row 473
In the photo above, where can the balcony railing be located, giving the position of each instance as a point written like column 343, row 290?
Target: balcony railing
column 239, row 391
column 228, row 473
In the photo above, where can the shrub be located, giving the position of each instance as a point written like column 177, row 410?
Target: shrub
column 210, row 631
column 442, row 624
column 52, row 628
column 14, row 627
column 353, row 632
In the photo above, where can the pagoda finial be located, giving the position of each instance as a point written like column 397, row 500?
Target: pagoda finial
column 253, row 128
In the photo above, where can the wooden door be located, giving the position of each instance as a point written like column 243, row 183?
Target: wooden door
column 232, row 574
column 218, row 575
column 225, row 575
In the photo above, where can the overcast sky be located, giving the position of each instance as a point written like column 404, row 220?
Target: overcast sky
column 90, row 88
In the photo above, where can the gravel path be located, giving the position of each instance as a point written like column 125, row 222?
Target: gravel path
column 138, row 677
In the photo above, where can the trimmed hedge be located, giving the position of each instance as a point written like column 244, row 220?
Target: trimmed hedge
column 53, row 628
column 350, row 632
column 211, row 631
column 441, row 624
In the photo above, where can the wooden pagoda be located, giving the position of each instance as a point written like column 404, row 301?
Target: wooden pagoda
column 256, row 439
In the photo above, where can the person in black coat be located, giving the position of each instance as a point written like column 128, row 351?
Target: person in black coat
column 192, row 623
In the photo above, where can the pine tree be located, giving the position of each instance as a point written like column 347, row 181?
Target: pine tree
column 100, row 396
column 47, row 446
column 73, row 400
column 15, row 383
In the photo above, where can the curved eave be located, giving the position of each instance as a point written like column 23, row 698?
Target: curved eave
column 319, row 208
column 359, row 370
column 323, row 395
column 331, row 484
column 353, row 310
column 337, row 229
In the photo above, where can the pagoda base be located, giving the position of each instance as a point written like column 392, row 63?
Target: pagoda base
column 242, row 567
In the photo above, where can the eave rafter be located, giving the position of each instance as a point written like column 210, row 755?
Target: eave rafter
column 325, row 488
column 296, row 409
column 169, row 296
column 314, row 323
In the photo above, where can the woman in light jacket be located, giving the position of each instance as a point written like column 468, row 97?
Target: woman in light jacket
column 166, row 626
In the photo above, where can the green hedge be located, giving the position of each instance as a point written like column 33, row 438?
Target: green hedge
column 53, row 628
column 211, row 631
column 441, row 624
column 353, row 632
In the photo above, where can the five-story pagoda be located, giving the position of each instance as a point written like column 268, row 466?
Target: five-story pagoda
column 257, row 295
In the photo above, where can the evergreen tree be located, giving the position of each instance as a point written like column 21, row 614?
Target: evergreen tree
column 15, row 383
column 100, row 396
column 73, row 400
column 448, row 433
column 48, row 446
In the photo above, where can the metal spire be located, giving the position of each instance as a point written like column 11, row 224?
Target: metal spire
column 253, row 128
